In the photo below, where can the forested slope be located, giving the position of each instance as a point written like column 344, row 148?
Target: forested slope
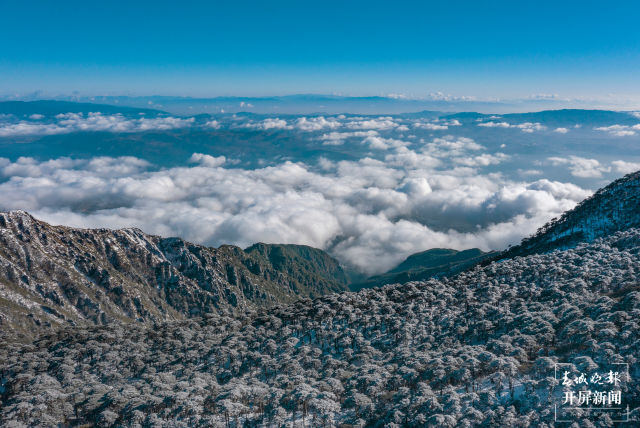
column 424, row 265
column 613, row 208
column 476, row 350
column 306, row 267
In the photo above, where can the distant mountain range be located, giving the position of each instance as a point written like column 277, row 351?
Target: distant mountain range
column 327, row 104
column 562, row 117
column 53, row 108
column 559, row 117
column 249, row 148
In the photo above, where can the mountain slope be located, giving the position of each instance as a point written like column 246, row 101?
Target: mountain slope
column 477, row 350
column 613, row 208
column 304, row 265
column 55, row 275
column 425, row 265
column 485, row 348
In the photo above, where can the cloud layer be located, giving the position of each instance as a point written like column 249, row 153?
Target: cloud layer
column 581, row 167
column 75, row 122
column 405, row 195
column 620, row 130
column 371, row 214
column 525, row 127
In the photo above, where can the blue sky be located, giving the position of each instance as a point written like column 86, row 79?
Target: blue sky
column 483, row 49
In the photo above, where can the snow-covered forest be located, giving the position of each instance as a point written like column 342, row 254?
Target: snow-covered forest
column 476, row 350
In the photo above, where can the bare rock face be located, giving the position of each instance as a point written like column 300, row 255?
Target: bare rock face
column 51, row 276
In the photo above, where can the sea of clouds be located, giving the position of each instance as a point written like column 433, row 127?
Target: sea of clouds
column 76, row 122
column 370, row 213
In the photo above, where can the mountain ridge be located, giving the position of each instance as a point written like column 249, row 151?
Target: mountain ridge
column 477, row 350
column 611, row 209
column 52, row 108
column 433, row 263
column 56, row 275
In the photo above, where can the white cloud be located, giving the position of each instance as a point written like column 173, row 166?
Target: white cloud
column 315, row 124
column 415, row 187
column 450, row 146
column 626, row 167
column 26, row 128
column 337, row 138
column 581, row 167
column 213, row 124
column 430, row 126
column 620, row 130
column 379, row 124
column 77, row 122
column 344, row 135
column 267, row 124
column 371, row 214
column 544, row 97
column 383, row 143
column 36, row 116
column 528, row 172
column 409, row 159
column 482, row 160
column 439, row 96
column 530, row 127
column 495, row 125
column 555, row 161
column 561, row 130
column 207, row 160
column 525, row 127
column 100, row 166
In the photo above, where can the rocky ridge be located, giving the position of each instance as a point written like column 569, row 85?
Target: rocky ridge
column 51, row 276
